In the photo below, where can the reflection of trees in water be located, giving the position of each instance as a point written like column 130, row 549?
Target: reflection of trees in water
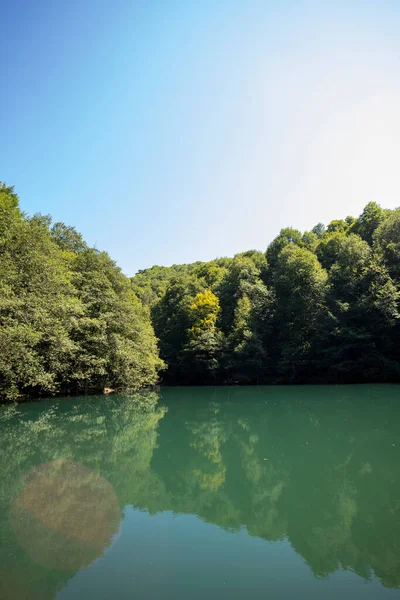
column 62, row 468
column 313, row 465
column 303, row 467
column 207, row 439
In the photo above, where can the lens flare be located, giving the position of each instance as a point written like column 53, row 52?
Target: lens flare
column 64, row 514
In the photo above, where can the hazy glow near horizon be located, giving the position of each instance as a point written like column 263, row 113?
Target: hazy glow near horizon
column 181, row 131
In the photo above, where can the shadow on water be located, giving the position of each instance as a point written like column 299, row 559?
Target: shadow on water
column 316, row 466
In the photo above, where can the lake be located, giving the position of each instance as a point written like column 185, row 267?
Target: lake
column 269, row 492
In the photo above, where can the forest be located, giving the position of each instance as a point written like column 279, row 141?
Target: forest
column 316, row 307
column 69, row 319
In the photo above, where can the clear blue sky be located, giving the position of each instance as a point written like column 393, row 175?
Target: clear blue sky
column 173, row 131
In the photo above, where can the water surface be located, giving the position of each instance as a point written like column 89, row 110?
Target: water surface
column 232, row 493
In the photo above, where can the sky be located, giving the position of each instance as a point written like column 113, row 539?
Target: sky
column 172, row 131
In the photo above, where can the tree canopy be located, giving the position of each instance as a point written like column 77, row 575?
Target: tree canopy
column 318, row 306
column 69, row 319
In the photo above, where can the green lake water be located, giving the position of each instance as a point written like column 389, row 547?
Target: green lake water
column 193, row 493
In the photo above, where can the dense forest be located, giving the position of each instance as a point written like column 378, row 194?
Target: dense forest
column 320, row 306
column 69, row 319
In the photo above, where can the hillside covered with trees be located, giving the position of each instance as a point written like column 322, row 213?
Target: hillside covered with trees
column 69, row 319
column 320, row 306
column 317, row 307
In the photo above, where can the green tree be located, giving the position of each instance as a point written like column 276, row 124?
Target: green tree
column 171, row 319
column 387, row 243
column 201, row 354
column 246, row 359
column 356, row 336
column 368, row 221
column 319, row 230
column 286, row 237
column 241, row 275
column 328, row 248
column 300, row 285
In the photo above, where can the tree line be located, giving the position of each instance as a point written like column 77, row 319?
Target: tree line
column 319, row 306
column 70, row 321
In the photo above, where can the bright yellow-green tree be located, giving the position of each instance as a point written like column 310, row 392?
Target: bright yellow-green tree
column 204, row 313
column 201, row 355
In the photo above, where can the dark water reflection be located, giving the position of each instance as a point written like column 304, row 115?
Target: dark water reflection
column 314, row 470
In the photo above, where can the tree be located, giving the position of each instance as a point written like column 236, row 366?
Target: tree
column 38, row 305
column 356, row 336
column 9, row 191
column 310, row 240
column 368, row 221
column 68, row 238
column 300, row 286
column 240, row 274
column 116, row 344
column 246, row 358
column 386, row 240
column 319, row 230
column 337, row 226
column 200, row 354
column 328, row 248
column 286, row 237
column 171, row 320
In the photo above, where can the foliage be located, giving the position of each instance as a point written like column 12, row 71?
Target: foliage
column 203, row 313
column 300, row 284
column 387, row 242
column 69, row 319
column 319, row 306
